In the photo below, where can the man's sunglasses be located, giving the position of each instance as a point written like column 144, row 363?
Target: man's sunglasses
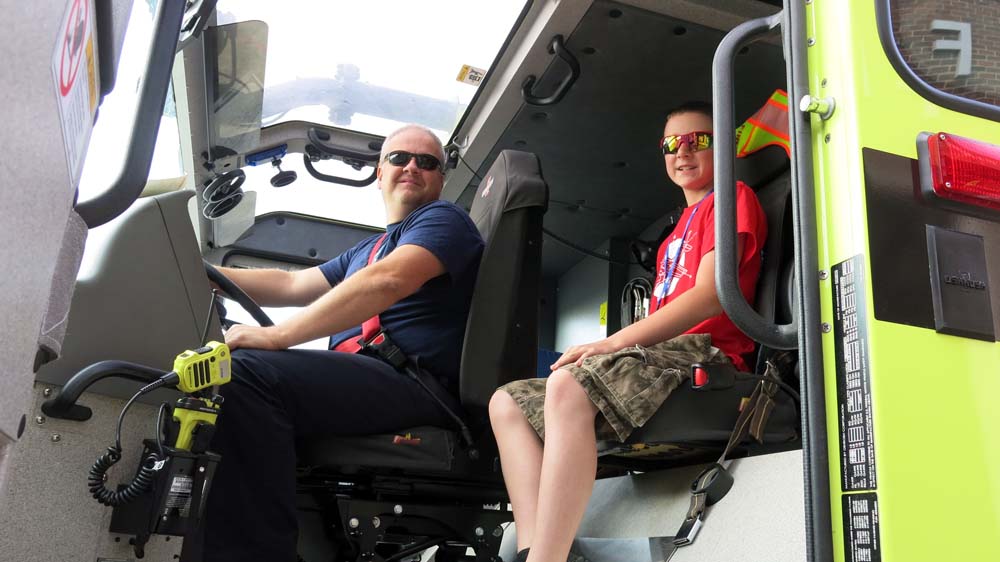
column 424, row 161
column 697, row 140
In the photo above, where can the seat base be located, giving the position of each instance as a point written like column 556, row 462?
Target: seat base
column 379, row 530
column 693, row 427
column 425, row 463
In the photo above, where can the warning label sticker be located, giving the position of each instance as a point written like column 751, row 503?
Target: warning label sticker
column 75, row 76
column 471, row 75
column 861, row 528
column 179, row 497
column 854, row 401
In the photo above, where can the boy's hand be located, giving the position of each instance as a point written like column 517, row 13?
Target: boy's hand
column 578, row 353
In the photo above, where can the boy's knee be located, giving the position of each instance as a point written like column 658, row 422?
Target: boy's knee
column 503, row 409
column 563, row 391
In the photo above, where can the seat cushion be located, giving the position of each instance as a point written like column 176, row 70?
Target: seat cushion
column 692, row 423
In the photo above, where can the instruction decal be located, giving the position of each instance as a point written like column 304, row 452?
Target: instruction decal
column 862, row 542
column 75, row 77
column 854, row 399
column 471, row 75
column 179, row 496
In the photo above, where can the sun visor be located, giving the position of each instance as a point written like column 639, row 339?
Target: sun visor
column 236, row 83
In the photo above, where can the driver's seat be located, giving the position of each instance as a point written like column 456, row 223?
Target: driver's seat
column 404, row 478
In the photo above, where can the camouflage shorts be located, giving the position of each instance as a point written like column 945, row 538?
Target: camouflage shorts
column 628, row 386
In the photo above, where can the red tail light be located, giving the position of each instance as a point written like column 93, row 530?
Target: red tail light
column 961, row 169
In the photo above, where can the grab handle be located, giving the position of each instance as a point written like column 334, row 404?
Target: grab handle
column 142, row 139
column 784, row 336
column 557, row 48
column 63, row 405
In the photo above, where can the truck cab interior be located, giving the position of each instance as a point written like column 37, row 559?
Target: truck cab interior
column 562, row 110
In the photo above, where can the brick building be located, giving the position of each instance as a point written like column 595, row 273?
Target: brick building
column 935, row 51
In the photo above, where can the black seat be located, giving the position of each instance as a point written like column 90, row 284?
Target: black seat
column 418, row 470
column 693, row 426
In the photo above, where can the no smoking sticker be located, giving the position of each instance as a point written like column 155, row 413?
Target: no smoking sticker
column 75, row 77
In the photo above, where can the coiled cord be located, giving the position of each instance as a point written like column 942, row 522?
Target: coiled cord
column 139, row 484
column 147, row 472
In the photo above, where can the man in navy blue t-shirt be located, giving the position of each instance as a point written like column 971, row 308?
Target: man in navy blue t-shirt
column 417, row 279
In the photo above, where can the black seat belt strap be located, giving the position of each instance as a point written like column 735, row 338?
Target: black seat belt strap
column 708, row 488
column 415, row 374
column 381, row 346
column 715, row 481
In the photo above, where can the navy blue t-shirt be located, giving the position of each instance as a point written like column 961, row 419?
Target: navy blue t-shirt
column 428, row 325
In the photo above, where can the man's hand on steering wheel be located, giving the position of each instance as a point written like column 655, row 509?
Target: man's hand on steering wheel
column 241, row 335
column 245, row 336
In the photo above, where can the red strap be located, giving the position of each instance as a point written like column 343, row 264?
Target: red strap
column 372, row 326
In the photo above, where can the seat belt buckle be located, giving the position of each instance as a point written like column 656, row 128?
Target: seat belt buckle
column 688, row 531
column 713, row 376
column 708, row 488
column 382, row 347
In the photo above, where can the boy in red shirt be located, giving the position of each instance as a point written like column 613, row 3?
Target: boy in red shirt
column 606, row 389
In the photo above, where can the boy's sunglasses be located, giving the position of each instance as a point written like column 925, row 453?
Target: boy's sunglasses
column 697, row 140
column 402, row 158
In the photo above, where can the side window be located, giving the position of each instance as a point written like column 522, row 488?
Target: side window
column 953, row 46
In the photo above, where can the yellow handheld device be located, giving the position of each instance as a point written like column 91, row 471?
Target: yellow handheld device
column 197, row 370
column 203, row 367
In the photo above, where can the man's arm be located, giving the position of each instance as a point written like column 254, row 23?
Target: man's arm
column 695, row 305
column 368, row 292
column 274, row 287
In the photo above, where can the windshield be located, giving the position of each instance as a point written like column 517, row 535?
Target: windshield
column 368, row 66
column 375, row 65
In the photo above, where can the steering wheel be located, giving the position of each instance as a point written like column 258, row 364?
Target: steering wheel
column 237, row 294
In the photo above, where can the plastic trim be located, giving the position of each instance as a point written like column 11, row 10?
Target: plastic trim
column 815, row 447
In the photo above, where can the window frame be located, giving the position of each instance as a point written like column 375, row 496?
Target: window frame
column 883, row 17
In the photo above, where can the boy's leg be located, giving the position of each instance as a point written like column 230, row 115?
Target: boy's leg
column 568, row 468
column 521, row 456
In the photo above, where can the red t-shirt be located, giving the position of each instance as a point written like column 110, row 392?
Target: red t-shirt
column 751, row 226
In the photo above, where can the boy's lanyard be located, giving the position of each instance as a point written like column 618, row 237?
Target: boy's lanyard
column 677, row 255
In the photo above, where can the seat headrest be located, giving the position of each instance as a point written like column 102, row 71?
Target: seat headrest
column 514, row 181
column 761, row 167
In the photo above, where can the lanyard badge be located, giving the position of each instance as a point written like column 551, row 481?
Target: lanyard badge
column 662, row 289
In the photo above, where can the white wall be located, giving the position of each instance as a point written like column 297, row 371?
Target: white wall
column 762, row 517
column 579, row 294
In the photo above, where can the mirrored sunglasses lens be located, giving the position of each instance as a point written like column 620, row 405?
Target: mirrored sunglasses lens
column 399, row 158
column 671, row 144
column 427, row 162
